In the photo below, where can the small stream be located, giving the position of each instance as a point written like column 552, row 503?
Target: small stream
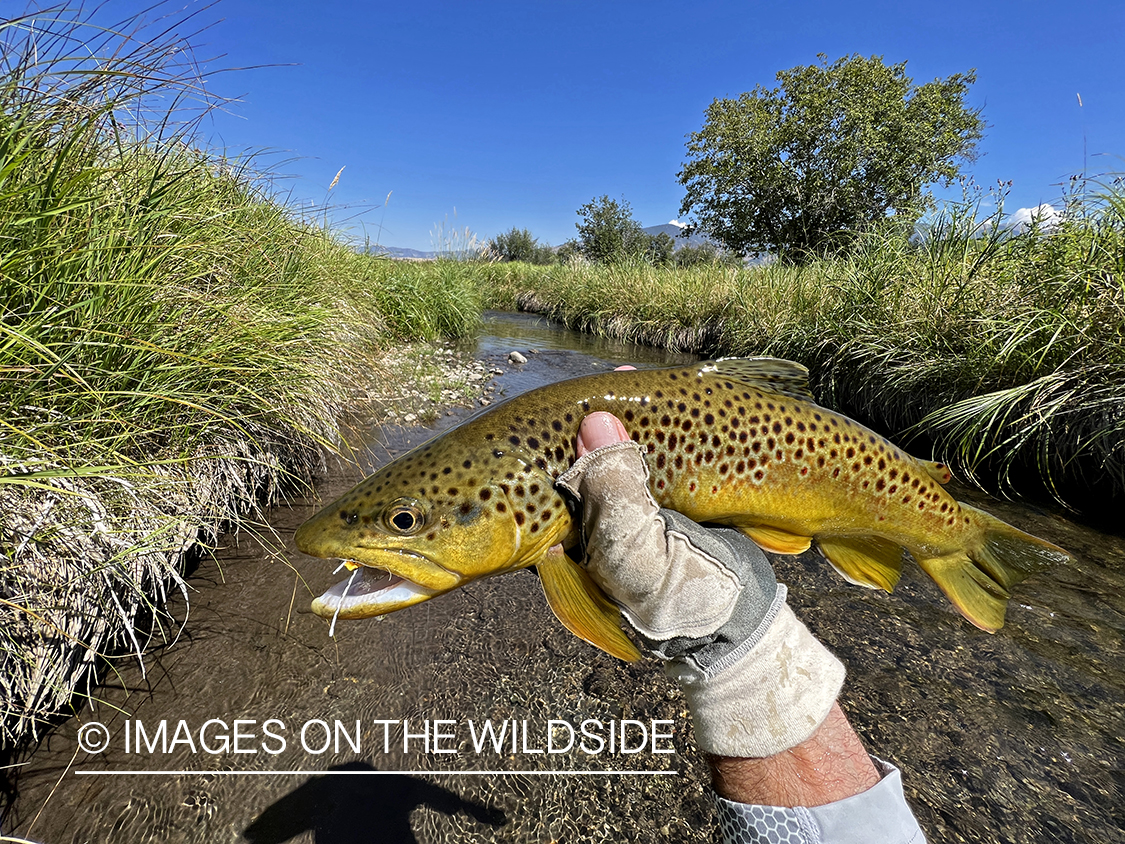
column 1015, row 737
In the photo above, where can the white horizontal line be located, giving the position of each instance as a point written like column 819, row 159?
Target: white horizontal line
column 376, row 773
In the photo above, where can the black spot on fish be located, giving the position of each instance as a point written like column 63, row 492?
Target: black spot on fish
column 533, row 442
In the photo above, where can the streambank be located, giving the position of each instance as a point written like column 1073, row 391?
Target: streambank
column 93, row 561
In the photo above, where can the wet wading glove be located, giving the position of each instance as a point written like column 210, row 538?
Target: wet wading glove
column 706, row 600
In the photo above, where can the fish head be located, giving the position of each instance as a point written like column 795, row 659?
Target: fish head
column 421, row 526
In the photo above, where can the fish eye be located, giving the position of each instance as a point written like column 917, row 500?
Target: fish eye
column 404, row 516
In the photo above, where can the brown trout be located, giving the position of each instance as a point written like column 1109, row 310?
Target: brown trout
column 737, row 442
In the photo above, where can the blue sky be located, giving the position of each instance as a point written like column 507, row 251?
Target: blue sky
column 490, row 115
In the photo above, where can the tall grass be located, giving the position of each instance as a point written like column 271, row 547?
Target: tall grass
column 175, row 346
column 1005, row 354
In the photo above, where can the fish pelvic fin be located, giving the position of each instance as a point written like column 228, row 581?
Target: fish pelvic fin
column 777, row 540
column 938, row 471
column 978, row 581
column 773, row 374
column 869, row 561
column 582, row 607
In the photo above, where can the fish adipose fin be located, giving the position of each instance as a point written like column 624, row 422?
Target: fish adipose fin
column 582, row 607
column 772, row 374
column 938, row 471
column 864, row 560
column 777, row 540
column 978, row 580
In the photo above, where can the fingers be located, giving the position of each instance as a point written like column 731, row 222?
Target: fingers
column 599, row 429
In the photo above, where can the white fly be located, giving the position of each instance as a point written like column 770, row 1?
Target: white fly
column 335, row 615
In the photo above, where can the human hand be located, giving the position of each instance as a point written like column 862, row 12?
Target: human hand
column 705, row 599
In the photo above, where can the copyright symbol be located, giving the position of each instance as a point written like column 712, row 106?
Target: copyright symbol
column 93, row 737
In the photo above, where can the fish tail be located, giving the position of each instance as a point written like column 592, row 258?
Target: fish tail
column 978, row 579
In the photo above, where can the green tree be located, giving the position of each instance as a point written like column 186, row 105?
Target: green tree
column 704, row 254
column 518, row 245
column 569, row 251
column 660, row 249
column 800, row 169
column 607, row 232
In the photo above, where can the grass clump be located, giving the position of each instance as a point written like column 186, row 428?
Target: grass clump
column 176, row 348
column 1004, row 352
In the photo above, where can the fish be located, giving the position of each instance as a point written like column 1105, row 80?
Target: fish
column 739, row 442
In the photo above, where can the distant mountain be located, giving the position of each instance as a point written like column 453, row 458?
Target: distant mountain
column 676, row 232
column 400, row 252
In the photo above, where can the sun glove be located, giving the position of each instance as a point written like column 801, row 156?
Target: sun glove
column 707, row 601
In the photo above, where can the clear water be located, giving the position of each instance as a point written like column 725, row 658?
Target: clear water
column 1014, row 737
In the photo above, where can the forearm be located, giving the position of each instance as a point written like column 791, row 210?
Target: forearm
column 830, row 765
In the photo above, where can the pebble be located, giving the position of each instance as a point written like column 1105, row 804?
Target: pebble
column 516, row 357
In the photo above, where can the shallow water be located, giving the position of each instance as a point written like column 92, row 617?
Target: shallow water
column 1012, row 737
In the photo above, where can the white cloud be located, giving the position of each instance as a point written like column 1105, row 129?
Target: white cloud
column 677, row 223
column 1046, row 215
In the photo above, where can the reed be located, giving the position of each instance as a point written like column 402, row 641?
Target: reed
column 176, row 346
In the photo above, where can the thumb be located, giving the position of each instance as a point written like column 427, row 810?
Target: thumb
column 600, row 429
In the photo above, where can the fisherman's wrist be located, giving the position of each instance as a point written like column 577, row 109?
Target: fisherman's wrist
column 765, row 698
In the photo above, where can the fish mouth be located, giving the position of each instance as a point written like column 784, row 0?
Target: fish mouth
column 370, row 591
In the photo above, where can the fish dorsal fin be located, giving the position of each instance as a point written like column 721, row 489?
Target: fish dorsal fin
column 771, row 374
column 864, row 560
column 938, row 471
column 582, row 607
column 777, row 540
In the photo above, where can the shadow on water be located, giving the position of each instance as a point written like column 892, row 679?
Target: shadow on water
column 360, row 806
column 1015, row 737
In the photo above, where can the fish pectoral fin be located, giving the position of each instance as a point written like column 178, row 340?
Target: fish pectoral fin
column 777, row 540
column 773, row 374
column 864, row 560
column 938, row 471
column 582, row 607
